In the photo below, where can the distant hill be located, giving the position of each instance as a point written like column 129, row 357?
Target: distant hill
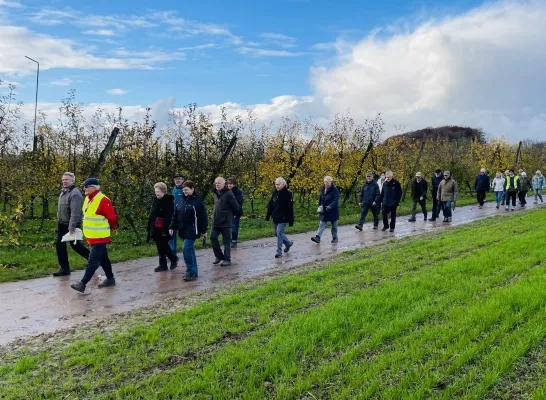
column 449, row 132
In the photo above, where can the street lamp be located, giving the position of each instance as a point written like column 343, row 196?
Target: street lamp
column 34, row 141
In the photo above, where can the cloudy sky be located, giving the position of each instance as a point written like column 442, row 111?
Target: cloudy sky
column 420, row 63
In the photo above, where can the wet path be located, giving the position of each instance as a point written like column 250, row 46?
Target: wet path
column 46, row 304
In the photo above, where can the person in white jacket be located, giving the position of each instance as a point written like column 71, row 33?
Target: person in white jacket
column 498, row 187
column 539, row 183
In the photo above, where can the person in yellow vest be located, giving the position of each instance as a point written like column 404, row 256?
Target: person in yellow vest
column 99, row 218
column 512, row 187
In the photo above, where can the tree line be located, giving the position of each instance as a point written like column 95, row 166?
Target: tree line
column 130, row 156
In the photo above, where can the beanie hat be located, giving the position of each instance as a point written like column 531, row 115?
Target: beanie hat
column 91, row 182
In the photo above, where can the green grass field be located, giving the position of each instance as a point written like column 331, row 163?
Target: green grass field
column 452, row 314
column 36, row 256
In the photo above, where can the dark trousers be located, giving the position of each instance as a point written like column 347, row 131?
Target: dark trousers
column 364, row 213
column 435, row 207
column 422, row 203
column 480, row 196
column 164, row 250
column 62, row 253
column 522, row 194
column 235, row 229
column 385, row 211
column 226, row 239
column 98, row 256
column 510, row 196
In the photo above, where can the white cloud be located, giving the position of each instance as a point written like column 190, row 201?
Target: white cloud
column 116, row 92
column 481, row 68
column 99, row 32
column 13, row 4
column 52, row 52
column 259, row 52
column 62, row 82
column 279, row 39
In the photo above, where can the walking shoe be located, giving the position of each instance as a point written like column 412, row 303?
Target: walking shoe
column 287, row 247
column 334, row 240
column 79, row 286
column 445, row 220
column 174, row 263
column 412, row 219
column 375, row 227
column 506, row 208
column 480, row 206
column 384, row 229
column 61, row 272
column 107, row 282
column 497, row 206
column 161, row 268
column 425, row 218
column 448, row 219
column 391, row 230
column 225, row 263
column 512, row 208
column 233, row 245
column 535, row 202
column 316, row 239
column 190, row 277
column 278, row 255
column 217, row 261
column 432, row 219
column 359, row 227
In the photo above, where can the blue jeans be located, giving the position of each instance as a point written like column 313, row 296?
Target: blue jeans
column 281, row 237
column 188, row 250
column 98, row 257
column 235, row 229
column 322, row 226
column 447, row 208
column 172, row 243
column 498, row 197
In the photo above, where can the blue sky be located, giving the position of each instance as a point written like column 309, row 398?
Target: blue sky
column 216, row 74
column 249, row 53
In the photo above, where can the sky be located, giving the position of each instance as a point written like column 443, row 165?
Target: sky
column 420, row 63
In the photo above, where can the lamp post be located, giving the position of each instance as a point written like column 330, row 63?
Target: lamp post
column 35, row 141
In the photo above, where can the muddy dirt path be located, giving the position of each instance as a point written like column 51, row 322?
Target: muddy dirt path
column 45, row 305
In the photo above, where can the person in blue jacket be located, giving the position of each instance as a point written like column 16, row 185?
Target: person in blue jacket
column 328, row 209
column 177, row 194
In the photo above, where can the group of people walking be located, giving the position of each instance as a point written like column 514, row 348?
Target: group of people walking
column 385, row 195
column 184, row 214
column 508, row 186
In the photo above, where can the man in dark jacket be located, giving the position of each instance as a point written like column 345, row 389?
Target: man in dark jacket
column 437, row 178
column 369, row 199
column 481, row 187
column 281, row 209
column 419, row 188
column 225, row 206
column 232, row 185
column 329, row 201
column 69, row 217
column 391, row 193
